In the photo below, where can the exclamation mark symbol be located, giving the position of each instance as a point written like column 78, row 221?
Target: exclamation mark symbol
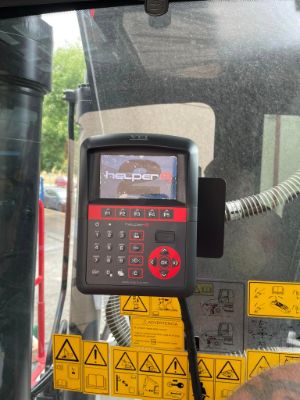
column 175, row 366
column 95, row 356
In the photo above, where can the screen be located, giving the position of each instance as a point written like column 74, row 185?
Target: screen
column 138, row 177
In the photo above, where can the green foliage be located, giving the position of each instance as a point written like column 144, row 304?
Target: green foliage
column 67, row 73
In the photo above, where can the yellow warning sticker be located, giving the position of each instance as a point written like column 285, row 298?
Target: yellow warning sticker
column 162, row 307
column 150, row 386
column 157, row 333
column 124, row 385
column 260, row 361
column 175, row 365
column 273, row 299
column 286, row 358
column 95, row 368
column 207, row 388
column 135, row 305
column 206, row 368
column 124, row 372
column 150, row 363
column 223, row 390
column 67, row 362
column 176, row 388
column 165, row 307
column 229, row 370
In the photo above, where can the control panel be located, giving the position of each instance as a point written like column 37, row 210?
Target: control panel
column 137, row 221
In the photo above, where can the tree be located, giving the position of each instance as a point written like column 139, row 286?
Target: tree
column 67, row 73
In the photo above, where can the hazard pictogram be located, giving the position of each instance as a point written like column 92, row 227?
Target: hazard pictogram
column 175, row 368
column 203, row 370
column 135, row 303
column 95, row 358
column 150, row 365
column 228, row 373
column 261, row 366
column 66, row 353
column 125, row 363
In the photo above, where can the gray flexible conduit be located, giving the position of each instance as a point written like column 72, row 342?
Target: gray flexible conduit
column 267, row 200
column 118, row 324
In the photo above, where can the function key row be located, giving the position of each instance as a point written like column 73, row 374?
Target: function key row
column 111, row 212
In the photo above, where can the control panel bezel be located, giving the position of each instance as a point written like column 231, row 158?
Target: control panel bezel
column 187, row 192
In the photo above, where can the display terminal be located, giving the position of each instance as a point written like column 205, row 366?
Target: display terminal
column 137, row 222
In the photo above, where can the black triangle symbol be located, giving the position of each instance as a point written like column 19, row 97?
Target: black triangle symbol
column 150, row 365
column 137, row 304
column 175, row 368
column 66, row 352
column 228, row 373
column 203, row 370
column 261, row 365
column 95, row 358
column 125, row 363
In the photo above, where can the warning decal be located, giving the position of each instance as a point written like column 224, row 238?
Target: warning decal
column 260, row 361
column 157, row 333
column 260, row 366
column 203, row 370
column 66, row 352
column 67, row 362
column 135, row 304
column 162, row 307
column 273, row 299
column 150, row 365
column 175, row 368
column 95, row 357
column 125, row 363
column 228, row 372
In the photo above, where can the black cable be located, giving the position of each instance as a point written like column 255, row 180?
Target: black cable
column 191, row 349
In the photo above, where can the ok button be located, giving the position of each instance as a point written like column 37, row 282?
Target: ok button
column 164, row 262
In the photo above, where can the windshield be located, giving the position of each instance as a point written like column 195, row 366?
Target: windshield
column 223, row 74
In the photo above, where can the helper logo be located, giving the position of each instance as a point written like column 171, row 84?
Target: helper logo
column 134, row 176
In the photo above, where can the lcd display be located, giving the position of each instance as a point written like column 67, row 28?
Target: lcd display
column 138, row 177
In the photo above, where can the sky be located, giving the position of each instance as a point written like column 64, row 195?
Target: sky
column 65, row 28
